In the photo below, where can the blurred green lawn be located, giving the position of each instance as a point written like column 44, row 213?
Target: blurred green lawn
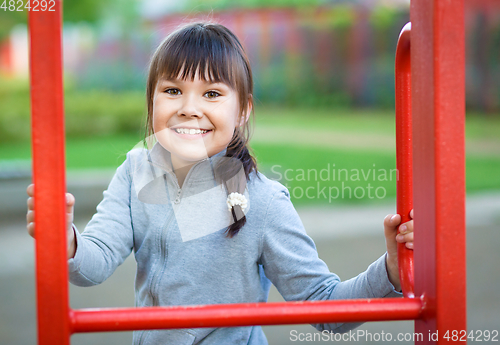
column 356, row 146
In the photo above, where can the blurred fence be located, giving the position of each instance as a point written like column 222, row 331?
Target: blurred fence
column 482, row 22
column 336, row 55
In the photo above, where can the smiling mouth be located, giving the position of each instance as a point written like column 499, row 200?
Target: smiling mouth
column 190, row 131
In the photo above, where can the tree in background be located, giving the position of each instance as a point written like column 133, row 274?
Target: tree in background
column 90, row 11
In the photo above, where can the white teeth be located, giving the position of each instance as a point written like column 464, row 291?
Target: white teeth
column 189, row 131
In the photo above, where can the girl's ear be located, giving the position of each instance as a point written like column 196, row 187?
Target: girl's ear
column 246, row 114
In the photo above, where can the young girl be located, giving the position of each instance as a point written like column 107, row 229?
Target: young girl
column 205, row 226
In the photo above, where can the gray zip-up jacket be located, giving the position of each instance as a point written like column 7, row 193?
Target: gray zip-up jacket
column 184, row 257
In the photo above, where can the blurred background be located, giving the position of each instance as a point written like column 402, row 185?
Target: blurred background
column 324, row 94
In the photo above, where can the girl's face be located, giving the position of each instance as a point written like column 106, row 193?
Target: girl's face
column 181, row 108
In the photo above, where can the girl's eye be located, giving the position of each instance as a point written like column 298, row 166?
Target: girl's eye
column 173, row 92
column 212, row 94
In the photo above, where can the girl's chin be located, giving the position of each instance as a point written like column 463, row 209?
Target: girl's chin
column 187, row 151
column 189, row 148
column 188, row 158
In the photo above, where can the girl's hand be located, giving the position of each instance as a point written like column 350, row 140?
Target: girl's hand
column 30, row 218
column 391, row 224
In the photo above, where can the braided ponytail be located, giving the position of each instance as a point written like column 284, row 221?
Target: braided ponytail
column 230, row 175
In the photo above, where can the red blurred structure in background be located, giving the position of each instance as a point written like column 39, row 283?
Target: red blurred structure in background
column 436, row 95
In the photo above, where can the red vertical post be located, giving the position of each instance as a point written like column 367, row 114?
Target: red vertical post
column 404, row 153
column 438, row 102
column 49, row 175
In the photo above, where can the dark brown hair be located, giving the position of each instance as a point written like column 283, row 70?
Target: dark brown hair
column 215, row 52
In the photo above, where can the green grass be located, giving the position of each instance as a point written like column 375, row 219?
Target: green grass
column 478, row 126
column 482, row 168
column 483, row 126
column 329, row 175
column 338, row 119
column 482, row 173
column 362, row 172
column 103, row 152
column 81, row 153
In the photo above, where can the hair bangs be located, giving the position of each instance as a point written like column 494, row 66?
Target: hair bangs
column 201, row 52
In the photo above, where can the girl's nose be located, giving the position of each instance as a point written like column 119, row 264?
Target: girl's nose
column 190, row 108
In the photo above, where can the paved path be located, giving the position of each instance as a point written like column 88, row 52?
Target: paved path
column 348, row 240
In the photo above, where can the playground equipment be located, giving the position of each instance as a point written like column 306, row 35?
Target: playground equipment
column 431, row 87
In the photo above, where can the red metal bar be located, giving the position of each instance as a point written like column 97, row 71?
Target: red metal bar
column 245, row 314
column 438, row 102
column 49, row 175
column 404, row 153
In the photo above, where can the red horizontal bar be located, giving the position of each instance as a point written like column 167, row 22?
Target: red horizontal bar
column 244, row 314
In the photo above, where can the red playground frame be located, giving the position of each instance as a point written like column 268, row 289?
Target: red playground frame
column 430, row 83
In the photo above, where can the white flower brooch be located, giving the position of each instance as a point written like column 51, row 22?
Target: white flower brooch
column 236, row 199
